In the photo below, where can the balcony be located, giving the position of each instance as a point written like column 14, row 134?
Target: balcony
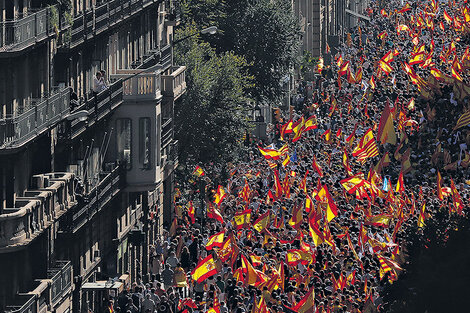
column 47, row 293
column 61, row 280
column 138, row 86
column 33, row 213
column 167, row 132
column 23, row 33
column 98, row 107
column 95, row 197
column 174, row 85
column 22, row 126
column 100, row 18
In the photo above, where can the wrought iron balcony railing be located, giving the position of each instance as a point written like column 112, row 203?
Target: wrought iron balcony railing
column 24, row 32
column 20, row 127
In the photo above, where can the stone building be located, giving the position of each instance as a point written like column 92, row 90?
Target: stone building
column 327, row 21
column 86, row 160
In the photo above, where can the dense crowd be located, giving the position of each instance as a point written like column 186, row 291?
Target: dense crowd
column 314, row 224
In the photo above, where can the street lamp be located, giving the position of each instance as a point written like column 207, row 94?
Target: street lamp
column 211, row 30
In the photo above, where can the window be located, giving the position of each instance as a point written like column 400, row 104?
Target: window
column 145, row 143
column 124, row 141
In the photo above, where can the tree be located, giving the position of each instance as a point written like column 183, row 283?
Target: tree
column 213, row 113
column 265, row 32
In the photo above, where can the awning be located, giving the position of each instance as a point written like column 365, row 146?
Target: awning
column 102, row 285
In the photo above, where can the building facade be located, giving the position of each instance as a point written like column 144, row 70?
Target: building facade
column 325, row 22
column 86, row 159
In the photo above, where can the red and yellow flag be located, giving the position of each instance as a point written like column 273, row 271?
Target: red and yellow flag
column 205, row 269
column 386, row 132
column 242, row 219
column 216, row 240
column 262, row 222
column 307, row 303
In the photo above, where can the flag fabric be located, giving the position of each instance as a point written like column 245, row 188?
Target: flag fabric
column 331, row 209
column 381, row 220
column 463, row 120
column 310, row 123
column 198, row 171
column 216, row 240
column 386, row 132
column 440, row 194
column 367, row 148
column 242, row 219
column 262, row 222
column 251, row 277
column 296, row 219
column 191, row 212
column 307, row 303
column 422, row 217
column 317, row 167
column 205, row 269
column 220, row 195
column 212, row 212
column 270, row 153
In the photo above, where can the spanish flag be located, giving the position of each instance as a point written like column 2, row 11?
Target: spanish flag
column 400, row 184
column 385, row 67
column 226, row 251
column 220, row 195
column 448, row 18
column 198, row 171
column 216, row 240
column 316, row 234
column 317, row 167
column 250, row 274
column 456, row 75
column 191, row 212
column 382, row 220
column 406, row 8
column 296, row 219
column 310, row 123
column 214, row 213
column 331, row 209
column 205, row 269
column 270, row 153
column 262, row 222
column 386, row 132
column 422, row 216
column 242, row 219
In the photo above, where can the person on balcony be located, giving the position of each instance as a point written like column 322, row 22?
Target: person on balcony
column 97, row 82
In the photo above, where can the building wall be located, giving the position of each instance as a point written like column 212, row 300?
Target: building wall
column 106, row 244
column 325, row 21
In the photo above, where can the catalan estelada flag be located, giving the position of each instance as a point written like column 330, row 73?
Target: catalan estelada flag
column 205, row 269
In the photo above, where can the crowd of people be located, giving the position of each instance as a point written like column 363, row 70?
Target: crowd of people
column 318, row 219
